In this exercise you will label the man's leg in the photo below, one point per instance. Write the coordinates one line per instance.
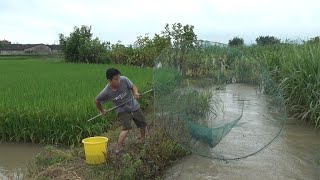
(143, 134)
(126, 125)
(121, 139)
(140, 121)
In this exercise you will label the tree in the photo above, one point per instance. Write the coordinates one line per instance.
(183, 39)
(147, 49)
(267, 40)
(181, 36)
(236, 41)
(120, 54)
(314, 40)
(4, 43)
(161, 42)
(80, 47)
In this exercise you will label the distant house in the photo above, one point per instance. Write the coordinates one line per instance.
(28, 49)
(207, 44)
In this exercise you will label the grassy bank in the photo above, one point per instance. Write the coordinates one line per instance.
(141, 161)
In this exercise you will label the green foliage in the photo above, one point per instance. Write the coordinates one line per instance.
(201, 61)
(165, 80)
(80, 47)
(130, 167)
(296, 69)
(300, 70)
(195, 103)
(314, 40)
(161, 42)
(147, 49)
(50, 156)
(143, 53)
(268, 55)
(245, 68)
(183, 39)
(4, 43)
(181, 36)
(267, 40)
(121, 54)
(236, 41)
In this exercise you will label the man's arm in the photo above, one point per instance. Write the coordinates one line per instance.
(136, 95)
(99, 106)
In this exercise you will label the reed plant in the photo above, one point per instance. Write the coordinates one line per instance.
(300, 69)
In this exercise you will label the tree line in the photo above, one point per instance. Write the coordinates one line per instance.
(81, 47)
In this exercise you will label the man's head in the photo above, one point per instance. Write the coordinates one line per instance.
(113, 76)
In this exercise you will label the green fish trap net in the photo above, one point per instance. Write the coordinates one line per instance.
(216, 101)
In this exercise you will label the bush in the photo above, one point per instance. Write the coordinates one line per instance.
(80, 47)
(236, 41)
(267, 40)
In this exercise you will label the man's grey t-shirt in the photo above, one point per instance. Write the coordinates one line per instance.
(119, 96)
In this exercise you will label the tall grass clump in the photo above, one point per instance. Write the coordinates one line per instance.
(300, 69)
(51, 101)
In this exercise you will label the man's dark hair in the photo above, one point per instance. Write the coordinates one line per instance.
(112, 72)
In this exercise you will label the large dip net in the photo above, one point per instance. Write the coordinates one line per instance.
(216, 101)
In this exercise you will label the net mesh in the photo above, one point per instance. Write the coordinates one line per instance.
(216, 101)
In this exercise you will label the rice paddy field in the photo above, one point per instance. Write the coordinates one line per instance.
(49, 101)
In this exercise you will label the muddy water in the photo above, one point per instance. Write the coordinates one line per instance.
(14, 158)
(293, 154)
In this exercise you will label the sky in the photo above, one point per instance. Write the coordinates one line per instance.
(40, 21)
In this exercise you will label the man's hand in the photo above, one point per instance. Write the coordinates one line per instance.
(103, 112)
(136, 95)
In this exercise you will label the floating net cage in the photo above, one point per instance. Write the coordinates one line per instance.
(216, 101)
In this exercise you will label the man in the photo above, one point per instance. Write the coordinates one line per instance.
(123, 93)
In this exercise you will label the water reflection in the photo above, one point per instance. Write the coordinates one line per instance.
(14, 158)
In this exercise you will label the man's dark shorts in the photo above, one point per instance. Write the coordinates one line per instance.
(137, 117)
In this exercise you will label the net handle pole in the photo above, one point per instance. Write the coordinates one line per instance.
(120, 105)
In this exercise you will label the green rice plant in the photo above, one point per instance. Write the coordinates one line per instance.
(51, 101)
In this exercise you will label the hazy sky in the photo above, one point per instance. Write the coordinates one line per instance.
(40, 21)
